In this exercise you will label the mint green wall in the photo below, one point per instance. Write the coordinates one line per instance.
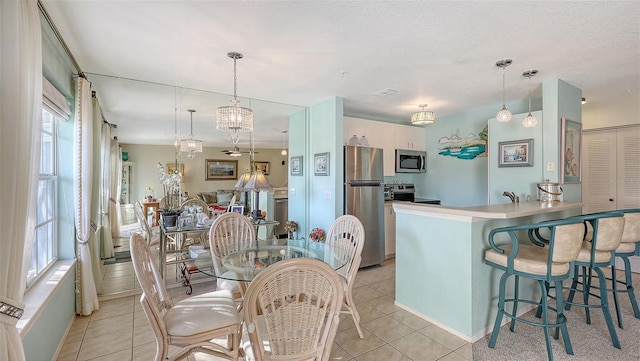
(325, 135)
(521, 180)
(298, 210)
(466, 180)
(42, 340)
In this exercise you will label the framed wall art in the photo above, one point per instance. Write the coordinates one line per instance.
(171, 168)
(296, 165)
(321, 164)
(218, 169)
(261, 166)
(571, 147)
(515, 153)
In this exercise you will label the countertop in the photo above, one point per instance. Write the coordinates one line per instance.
(495, 211)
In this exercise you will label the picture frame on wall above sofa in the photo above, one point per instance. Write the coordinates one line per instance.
(296, 165)
(218, 169)
(261, 166)
(515, 153)
(321, 164)
(171, 168)
(571, 134)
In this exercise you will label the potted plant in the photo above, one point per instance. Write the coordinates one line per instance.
(171, 202)
(290, 228)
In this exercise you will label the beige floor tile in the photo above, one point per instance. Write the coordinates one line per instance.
(108, 325)
(140, 319)
(69, 351)
(384, 304)
(387, 287)
(419, 347)
(366, 312)
(443, 337)
(365, 293)
(106, 344)
(144, 352)
(79, 327)
(338, 353)
(115, 307)
(124, 355)
(466, 351)
(387, 328)
(355, 346)
(143, 335)
(452, 357)
(384, 353)
(119, 272)
(410, 319)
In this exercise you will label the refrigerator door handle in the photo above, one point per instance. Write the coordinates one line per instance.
(370, 183)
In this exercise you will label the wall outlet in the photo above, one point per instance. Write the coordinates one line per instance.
(327, 194)
(551, 166)
(292, 191)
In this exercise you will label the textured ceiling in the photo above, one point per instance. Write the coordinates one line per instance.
(441, 53)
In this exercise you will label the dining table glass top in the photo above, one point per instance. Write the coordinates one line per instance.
(246, 264)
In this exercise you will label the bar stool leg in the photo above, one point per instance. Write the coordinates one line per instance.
(614, 289)
(574, 286)
(605, 307)
(562, 320)
(500, 313)
(516, 290)
(545, 320)
(629, 284)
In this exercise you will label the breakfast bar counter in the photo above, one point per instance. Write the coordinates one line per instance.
(440, 270)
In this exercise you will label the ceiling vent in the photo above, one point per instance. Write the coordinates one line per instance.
(384, 92)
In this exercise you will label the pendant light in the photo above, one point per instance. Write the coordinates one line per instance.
(530, 121)
(423, 116)
(191, 146)
(234, 118)
(284, 147)
(504, 115)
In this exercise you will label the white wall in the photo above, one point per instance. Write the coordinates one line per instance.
(616, 113)
(146, 158)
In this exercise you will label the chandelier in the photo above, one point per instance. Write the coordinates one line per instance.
(530, 121)
(504, 115)
(423, 116)
(234, 118)
(191, 146)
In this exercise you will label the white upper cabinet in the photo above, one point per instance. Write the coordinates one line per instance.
(388, 136)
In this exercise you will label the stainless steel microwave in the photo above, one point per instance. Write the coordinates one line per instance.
(411, 161)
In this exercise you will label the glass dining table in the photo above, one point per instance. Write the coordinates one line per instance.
(243, 266)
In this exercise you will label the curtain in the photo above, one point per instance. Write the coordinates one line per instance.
(82, 173)
(20, 124)
(105, 191)
(95, 239)
(116, 181)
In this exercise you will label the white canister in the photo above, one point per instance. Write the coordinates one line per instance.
(549, 192)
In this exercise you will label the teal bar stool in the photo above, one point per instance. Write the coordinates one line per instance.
(629, 246)
(546, 262)
(595, 254)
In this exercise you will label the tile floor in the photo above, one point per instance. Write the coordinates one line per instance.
(120, 331)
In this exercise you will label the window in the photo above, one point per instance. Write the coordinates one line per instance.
(45, 241)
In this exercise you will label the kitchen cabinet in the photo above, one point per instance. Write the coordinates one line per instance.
(388, 136)
(389, 230)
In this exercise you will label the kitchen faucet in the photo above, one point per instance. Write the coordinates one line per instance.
(514, 198)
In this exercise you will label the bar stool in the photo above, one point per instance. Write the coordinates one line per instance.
(629, 246)
(594, 255)
(538, 261)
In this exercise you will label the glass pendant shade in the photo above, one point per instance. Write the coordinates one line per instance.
(423, 116)
(191, 146)
(234, 118)
(284, 146)
(283, 152)
(504, 115)
(530, 121)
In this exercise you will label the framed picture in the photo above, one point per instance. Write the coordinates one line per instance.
(171, 168)
(185, 221)
(296, 165)
(515, 153)
(321, 164)
(570, 153)
(261, 166)
(218, 169)
(237, 209)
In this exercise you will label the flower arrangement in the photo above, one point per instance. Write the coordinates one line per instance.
(317, 234)
(171, 184)
(291, 226)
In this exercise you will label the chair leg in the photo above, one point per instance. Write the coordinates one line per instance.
(545, 321)
(516, 290)
(351, 307)
(574, 285)
(586, 288)
(614, 289)
(562, 320)
(629, 284)
(605, 307)
(500, 313)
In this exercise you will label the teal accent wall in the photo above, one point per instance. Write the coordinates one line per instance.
(466, 180)
(42, 340)
(298, 184)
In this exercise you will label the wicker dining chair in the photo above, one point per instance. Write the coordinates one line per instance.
(191, 324)
(200, 237)
(291, 311)
(230, 233)
(151, 234)
(346, 237)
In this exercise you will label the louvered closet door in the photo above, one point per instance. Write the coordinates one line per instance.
(599, 171)
(628, 195)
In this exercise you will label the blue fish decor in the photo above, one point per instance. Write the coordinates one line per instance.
(468, 147)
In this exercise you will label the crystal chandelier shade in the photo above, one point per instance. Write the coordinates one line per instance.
(423, 116)
(234, 118)
(191, 146)
(530, 121)
(504, 115)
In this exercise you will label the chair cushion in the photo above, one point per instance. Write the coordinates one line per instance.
(585, 254)
(530, 259)
(202, 313)
(209, 197)
(626, 247)
(224, 197)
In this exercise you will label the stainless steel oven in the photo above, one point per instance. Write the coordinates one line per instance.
(411, 161)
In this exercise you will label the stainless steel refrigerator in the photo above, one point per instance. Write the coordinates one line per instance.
(364, 198)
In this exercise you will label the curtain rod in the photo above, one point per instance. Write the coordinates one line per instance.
(60, 39)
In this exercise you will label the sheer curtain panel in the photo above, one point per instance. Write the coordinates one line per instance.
(105, 191)
(94, 239)
(82, 172)
(116, 181)
(20, 123)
